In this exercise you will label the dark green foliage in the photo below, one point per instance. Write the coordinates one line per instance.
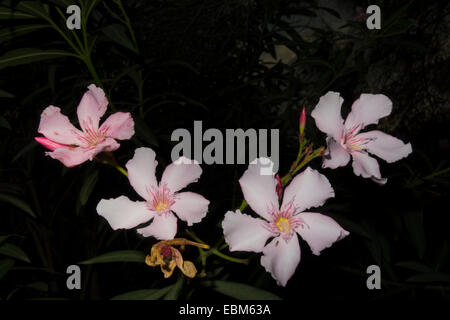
(172, 62)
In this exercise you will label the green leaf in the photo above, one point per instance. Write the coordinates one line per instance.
(144, 133)
(242, 291)
(430, 277)
(14, 251)
(38, 285)
(4, 123)
(414, 225)
(27, 55)
(353, 228)
(3, 238)
(331, 11)
(5, 266)
(117, 33)
(183, 64)
(175, 291)
(62, 3)
(9, 14)
(118, 256)
(88, 187)
(10, 33)
(145, 294)
(18, 203)
(25, 150)
(4, 94)
(415, 266)
(35, 8)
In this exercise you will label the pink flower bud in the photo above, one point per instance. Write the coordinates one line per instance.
(49, 144)
(279, 187)
(302, 122)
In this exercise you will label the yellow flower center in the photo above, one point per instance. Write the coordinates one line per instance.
(283, 225)
(160, 199)
(161, 206)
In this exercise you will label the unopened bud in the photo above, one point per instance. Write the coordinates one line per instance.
(279, 187)
(302, 122)
(49, 144)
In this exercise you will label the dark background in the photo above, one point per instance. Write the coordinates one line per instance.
(175, 61)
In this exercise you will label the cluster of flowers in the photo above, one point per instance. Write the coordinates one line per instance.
(164, 201)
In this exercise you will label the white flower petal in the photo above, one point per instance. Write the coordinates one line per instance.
(141, 171)
(319, 231)
(122, 213)
(163, 227)
(335, 156)
(385, 146)
(327, 115)
(308, 189)
(181, 173)
(281, 258)
(368, 109)
(259, 188)
(190, 207)
(367, 167)
(245, 233)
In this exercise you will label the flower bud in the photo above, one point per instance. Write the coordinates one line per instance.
(49, 144)
(279, 187)
(302, 122)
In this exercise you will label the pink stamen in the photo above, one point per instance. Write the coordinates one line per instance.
(161, 199)
(285, 221)
(91, 136)
(351, 141)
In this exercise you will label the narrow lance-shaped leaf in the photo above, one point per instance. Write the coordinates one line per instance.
(242, 291)
(144, 132)
(34, 8)
(27, 55)
(430, 277)
(88, 187)
(175, 291)
(16, 31)
(12, 14)
(5, 94)
(30, 146)
(5, 266)
(117, 33)
(13, 251)
(4, 123)
(18, 203)
(118, 256)
(144, 294)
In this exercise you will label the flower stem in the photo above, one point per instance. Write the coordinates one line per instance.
(225, 257)
(121, 170)
(108, 158)
(193, 236)
(213, 251)
(244, 204)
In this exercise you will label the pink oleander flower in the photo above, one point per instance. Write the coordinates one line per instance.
(162, 199)
(345, 139)
(282, 255)
(73, 146)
